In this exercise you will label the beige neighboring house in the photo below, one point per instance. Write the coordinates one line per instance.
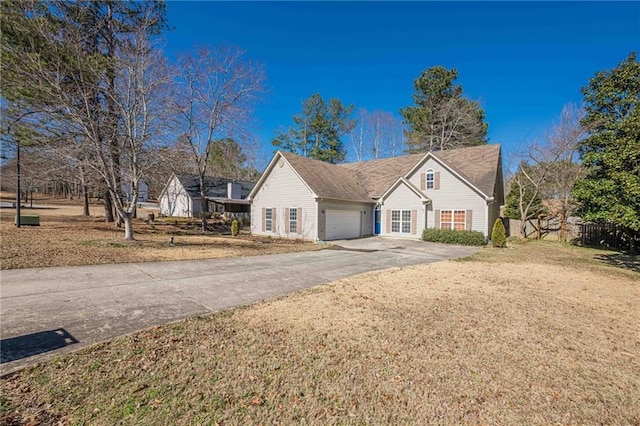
(301, 198)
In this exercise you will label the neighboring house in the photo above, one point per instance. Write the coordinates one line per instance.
(297, 197)
(181, 196)
(143, 192)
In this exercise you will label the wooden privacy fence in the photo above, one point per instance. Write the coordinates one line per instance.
(605, 235)
(545, 228)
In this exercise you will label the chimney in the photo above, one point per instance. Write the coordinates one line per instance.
(234, 190)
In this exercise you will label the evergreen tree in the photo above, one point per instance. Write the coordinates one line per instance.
(499, 234)
(317, 130)
(610, 188)
(441, 117)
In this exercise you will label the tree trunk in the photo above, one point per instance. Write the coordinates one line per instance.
(633, 241)
(85, 201)
(108, 208)
(203, 203)
(128, 227)
(203, 207)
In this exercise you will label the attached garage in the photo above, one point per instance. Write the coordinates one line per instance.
(342, 224)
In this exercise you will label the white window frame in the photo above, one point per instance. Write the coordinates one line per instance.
(401, 221)
(452, 224)
(430, 179)
(268, 219)
(293, 220)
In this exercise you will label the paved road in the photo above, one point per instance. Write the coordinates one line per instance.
(49, 311)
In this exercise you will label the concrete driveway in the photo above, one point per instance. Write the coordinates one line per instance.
(49, 311)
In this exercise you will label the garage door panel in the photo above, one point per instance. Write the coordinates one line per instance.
(342, 224)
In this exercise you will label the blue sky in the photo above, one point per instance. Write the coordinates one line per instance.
(522, 60)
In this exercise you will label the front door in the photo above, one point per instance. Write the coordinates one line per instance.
(377, 222)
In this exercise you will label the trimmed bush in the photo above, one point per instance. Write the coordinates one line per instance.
(499, 234)
(448, 236)
(235, 229)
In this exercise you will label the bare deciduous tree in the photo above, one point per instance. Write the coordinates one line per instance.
(91, 80)
(377, 134)
(563, 139)
(548, 170)
(216, 91)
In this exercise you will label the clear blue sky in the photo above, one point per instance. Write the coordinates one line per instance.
(522, 60)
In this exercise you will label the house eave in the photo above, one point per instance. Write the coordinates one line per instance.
(408, 184)
(320, 199)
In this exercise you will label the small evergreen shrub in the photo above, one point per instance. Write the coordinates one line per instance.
(449, 236)
(499, 234)
(235, 228)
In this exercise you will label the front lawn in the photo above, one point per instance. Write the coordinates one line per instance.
(540, 333)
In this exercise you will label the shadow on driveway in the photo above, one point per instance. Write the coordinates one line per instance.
(15, 348)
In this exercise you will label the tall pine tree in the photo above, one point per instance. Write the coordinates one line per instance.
(317, 130)
(441, 117)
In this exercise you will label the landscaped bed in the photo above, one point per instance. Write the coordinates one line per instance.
(538, 333)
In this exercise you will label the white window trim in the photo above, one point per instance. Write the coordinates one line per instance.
(400, 222)
(293, 222)
(453, 219)
(268, 221)
(430, 183)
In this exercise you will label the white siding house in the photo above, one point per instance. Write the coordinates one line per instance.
(457, 189)
(452, 194)
(181, 196)
(284, 196)
(175, 200)
(403, 210)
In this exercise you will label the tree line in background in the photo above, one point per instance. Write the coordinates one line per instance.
(86, 89)
(441, 118)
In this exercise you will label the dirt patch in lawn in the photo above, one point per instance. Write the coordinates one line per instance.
(540, 333)
(65, 238)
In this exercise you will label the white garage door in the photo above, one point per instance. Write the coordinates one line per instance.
(342, 224)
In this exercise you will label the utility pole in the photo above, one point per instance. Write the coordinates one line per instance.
(18, 184)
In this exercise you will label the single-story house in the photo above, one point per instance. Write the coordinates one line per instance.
(301, 198)
(181, 196)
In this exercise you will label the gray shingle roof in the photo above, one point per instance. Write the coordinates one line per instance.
(367, 180)
(216, 187)
(328, 180)
(379, 175)
(477, 164)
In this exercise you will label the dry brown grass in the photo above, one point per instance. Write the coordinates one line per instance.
(66, 238)
(541, 333)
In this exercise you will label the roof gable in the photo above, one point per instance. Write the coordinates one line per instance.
(478, 165)
(409, 185)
